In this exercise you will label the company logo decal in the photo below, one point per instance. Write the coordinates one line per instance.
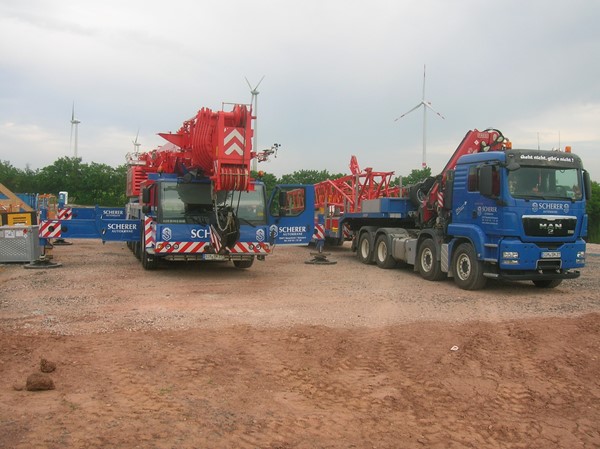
(553, 207)
(166, 234)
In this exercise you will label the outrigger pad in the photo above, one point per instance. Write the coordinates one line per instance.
(320, 259)
(42, 262)
(61, 242)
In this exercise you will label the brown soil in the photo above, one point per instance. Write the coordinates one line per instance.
(291, 355)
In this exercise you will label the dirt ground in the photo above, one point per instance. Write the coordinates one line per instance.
(291, 355)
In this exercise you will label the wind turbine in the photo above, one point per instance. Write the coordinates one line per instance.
(425, 104)
(254, 103)
(74, 124)
(136, 145)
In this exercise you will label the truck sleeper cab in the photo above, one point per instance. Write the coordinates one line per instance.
(521, 214)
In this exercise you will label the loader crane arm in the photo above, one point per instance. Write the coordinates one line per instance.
(429, 194)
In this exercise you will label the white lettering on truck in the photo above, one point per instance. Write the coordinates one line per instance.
(199, 233)
(122, 226)
(294, 229)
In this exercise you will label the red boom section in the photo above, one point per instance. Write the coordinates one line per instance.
(348, 192)
(217, 145)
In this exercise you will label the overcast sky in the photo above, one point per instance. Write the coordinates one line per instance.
(336, 75)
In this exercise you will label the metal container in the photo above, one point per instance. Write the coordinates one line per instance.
(19, 243)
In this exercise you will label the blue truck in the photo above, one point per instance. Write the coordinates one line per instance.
(493, 213)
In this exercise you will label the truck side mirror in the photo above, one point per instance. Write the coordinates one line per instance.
(448, 189)
(282, 198)
(486, 187)
(587, 184)
(146, 195)
(282, 202)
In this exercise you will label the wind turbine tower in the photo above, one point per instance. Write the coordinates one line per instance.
(74, 125)
(136, 144)
(254, 103)
(425, 104)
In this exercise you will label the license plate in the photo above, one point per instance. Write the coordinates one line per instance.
(213, 257)
(550, 254)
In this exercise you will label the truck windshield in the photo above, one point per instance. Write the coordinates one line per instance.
(545, 182)
(249, 206)
(192, 203)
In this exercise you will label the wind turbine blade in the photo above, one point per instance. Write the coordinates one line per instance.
(406, 113)
(73, 112)
(261, 80)
(424, 82)
(429, 106)
(248, 82)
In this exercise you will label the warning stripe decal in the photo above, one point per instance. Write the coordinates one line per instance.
(50, 229)
(319, 232)
(347, 232)
(180, 247)
(149, 230)
(250, 248)
(66, 213)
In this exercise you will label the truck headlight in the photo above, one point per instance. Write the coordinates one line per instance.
(510, 255)
(581, 254)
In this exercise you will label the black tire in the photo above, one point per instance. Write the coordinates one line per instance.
(416, 194)
(364, 250)
(427, 261)
(149, 261)
(243, 263)
(467, 270)
(383, 253)
(552, 283)
(137, 250)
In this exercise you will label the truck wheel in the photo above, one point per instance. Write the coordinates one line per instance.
(468, 271)
(137, 250)
(243, 263)
(149, 261)
(548, 283)
(383, 253)
(427, 264)
(365, 248)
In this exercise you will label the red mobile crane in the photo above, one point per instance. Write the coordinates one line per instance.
(194, 199)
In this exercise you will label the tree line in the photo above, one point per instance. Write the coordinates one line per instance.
(101, 184)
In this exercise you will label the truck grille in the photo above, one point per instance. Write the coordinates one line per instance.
(549, 226)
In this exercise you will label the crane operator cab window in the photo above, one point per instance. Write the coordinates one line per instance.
(545, 182)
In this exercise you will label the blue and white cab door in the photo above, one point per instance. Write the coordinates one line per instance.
(291, 214)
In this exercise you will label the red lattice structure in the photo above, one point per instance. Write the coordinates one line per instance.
(348, 192)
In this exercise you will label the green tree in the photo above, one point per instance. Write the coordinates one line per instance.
(269, 179)
(308, 177)
(414, 177)
(87, 185)
(593, 211)
(10, 176)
